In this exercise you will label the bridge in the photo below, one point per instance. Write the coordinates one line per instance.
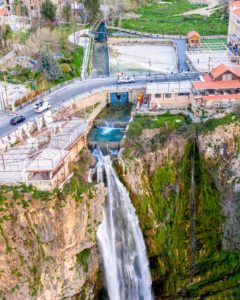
(84, 93)
(49, 142)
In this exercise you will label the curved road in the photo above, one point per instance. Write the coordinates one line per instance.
(58, 97)
(65, 94)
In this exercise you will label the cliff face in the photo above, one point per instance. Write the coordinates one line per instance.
(48, 247)
(184, 184)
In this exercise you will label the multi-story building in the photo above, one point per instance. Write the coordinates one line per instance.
(234, 26)
(7, 5)
(218, 90)
(34, 6)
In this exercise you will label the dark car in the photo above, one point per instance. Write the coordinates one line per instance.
(16, 120)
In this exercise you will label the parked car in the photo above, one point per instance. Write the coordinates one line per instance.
(17, 119)
(41, 106)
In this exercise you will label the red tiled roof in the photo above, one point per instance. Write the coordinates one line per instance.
(237, 12)
(235, 6)
(207, 77)
(3, 12)
(235, 3)
(221, 69)
(222, 97)
(192, 34)
(217, 85)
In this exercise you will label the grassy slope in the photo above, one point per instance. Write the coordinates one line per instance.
(166, 19)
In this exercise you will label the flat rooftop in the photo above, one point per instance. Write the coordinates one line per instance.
(200, 59)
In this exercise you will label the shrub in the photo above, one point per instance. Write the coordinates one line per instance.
(65, 68)
(48, 10)
(82, 258)
(49, 67)
(26, 98)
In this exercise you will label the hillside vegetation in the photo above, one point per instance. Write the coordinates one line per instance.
(167, 18)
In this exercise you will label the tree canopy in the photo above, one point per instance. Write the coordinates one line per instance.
(48, 10)
(49, 66)
(66, 12)
(20, 9)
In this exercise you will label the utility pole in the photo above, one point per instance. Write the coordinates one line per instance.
(5, 88)
(60, 8)
(73, 20)
(30, 12)
(149, 64)
(209, 64)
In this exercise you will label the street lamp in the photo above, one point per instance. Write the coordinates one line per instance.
(6, 94)
(149, 64)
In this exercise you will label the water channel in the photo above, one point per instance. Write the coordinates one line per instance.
(120, 241)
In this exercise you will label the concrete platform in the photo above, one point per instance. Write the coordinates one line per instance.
(136, 57)
(200, 60)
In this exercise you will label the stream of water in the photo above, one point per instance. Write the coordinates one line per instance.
(120, 240)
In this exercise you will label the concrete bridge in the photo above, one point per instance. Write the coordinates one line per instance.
(80, 94)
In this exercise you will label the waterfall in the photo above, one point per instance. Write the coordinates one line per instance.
(193, 216)
(120, 241)
(106, 129)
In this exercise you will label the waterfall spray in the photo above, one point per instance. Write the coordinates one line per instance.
(120, 241)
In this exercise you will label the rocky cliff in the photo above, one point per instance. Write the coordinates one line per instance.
(48, 242)
(184, 182)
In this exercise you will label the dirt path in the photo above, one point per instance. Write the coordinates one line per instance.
(213, 5)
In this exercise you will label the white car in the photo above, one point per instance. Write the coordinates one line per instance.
(126, 79)
(41, 106)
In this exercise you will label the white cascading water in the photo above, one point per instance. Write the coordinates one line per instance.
(120, 240)
(107, 128)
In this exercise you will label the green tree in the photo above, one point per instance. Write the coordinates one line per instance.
(93, 9)
(20, 9)
(48, 10)
(5, 33)
(49, 67)
(66, 12)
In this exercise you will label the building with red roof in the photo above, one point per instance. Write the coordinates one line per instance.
(220, 89)
(193, 39)
(3, 12)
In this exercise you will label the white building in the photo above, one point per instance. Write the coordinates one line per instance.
(169, 95)
(234, 25)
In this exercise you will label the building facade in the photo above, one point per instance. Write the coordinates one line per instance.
(169, 95)
(193, 39)
(234, 26)
(218, 90)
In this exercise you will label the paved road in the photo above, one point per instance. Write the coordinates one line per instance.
(65, 94)
(57, 98)
(181, 52)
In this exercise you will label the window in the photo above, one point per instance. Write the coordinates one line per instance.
(227, 77)
(168, 95)
(183, 94)
(158, 95)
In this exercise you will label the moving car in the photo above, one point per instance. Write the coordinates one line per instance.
(126, 79)
(17, 119)
(42, 106)
(123, 78)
